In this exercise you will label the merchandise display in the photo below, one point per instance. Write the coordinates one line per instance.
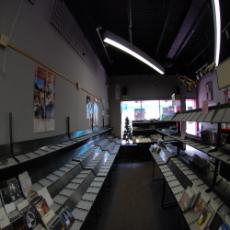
(188, 199)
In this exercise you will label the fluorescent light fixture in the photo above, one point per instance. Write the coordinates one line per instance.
(130, 49)
(217, 27)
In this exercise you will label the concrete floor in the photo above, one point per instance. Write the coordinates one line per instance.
(134, 202)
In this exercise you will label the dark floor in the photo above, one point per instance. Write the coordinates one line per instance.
(134, 202)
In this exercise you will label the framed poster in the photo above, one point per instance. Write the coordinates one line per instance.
(44, 100)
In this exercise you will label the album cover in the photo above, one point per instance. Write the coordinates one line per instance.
(200, 204)
(41, 205)
(56, 224)
(216, 223)
(26, 183)
(20, 223)
(32, 218)
(66, 217)
(4, 220)
(188, 199)
(10, 191)
(28, 220)
(46, 195)
(205, 218)
(224, 226)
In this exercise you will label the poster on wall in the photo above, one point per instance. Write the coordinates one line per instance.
(89, 110)
(95, 114)
(92, 112)
(44, 100)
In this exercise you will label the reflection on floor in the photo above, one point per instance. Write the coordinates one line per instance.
(134, 202)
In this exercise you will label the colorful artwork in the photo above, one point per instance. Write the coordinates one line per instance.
(44, 100)
(92, 112)
(95, 114)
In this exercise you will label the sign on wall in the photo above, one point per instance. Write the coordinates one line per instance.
(44, 100)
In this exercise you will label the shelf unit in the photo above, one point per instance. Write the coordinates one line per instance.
(16, 163)
(147, 128)
(216, 114)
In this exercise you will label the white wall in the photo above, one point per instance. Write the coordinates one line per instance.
(142, 87)
(35, 35)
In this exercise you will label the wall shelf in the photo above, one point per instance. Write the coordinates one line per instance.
(17, 163)
(215, 114)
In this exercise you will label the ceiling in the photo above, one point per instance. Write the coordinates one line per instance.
(178, 34)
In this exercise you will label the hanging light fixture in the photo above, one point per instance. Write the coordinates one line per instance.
(217, 28)
(125, 46)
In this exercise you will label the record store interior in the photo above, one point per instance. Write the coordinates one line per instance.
(114, 115)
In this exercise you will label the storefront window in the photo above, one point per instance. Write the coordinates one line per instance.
(147, 110)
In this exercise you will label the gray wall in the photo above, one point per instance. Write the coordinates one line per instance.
(34, 34)
(142, 87)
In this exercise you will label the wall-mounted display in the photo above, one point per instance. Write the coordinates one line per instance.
(44, 100)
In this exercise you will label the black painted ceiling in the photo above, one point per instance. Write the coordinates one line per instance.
(178, 34)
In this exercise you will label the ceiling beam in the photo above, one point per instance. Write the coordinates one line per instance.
(209, 43)
(130, 21)
(185, 31)
(192, 31)
(166, 23)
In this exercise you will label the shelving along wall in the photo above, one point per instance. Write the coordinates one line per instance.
(31, 31)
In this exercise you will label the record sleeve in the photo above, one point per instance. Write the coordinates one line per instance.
(4, 220)
(41, 205)
(56, 224)
(66, 217)
(26, 183)
(10, 191)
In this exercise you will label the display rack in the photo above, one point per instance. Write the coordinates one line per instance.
(74, 184)
(215, 114)
(179, 176)
(16, 163)
(147, 128)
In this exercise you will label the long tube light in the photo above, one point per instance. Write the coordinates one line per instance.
(130, 49)
(217, 27)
